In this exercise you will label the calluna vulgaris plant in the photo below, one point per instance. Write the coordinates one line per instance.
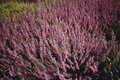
(62, 42)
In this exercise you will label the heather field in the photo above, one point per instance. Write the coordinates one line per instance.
(60, 40)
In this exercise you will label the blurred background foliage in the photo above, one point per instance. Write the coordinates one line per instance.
(10, 8)
(15, 8)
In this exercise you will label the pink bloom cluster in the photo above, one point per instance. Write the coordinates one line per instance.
(62, 42)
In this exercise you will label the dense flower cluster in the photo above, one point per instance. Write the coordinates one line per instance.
(62, 42)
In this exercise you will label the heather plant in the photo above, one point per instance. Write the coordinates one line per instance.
(56, 51)
(64, 41)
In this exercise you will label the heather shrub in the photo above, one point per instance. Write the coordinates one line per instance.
(64, 41)
(57, 51)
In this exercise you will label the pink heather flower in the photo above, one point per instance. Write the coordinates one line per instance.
(58, 41)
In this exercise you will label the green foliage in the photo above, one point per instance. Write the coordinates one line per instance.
(110, 68)
(14, 8)
(115, 29)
